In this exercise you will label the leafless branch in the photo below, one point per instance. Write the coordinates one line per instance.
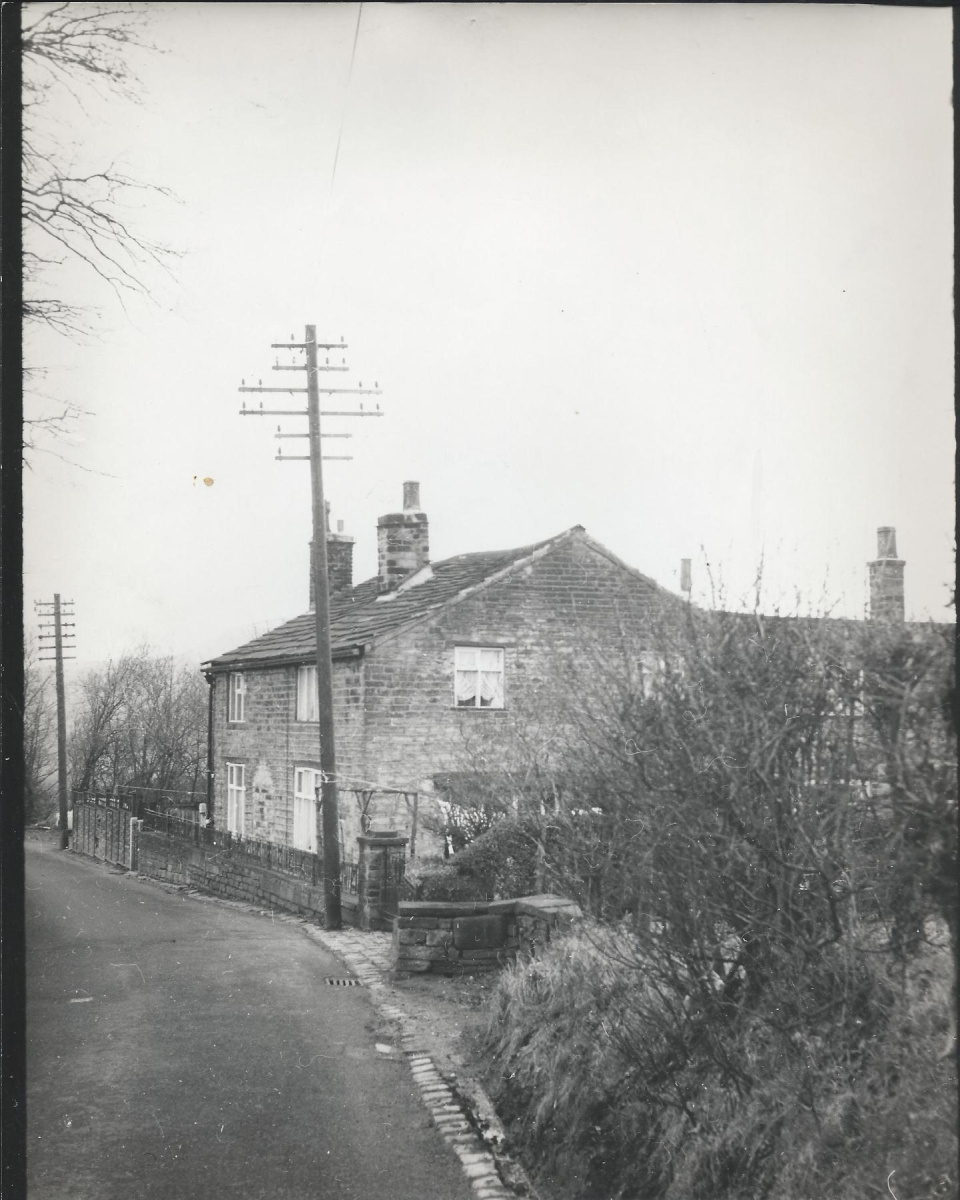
(73, 216)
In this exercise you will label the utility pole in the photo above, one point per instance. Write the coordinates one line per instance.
(329, 808)
(61, 641)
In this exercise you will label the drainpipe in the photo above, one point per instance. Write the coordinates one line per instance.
(211, 685)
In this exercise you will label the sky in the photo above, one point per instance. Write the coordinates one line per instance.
(680, 274)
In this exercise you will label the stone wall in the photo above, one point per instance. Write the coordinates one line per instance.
(221, 868)
(226, 873)
(464, 938)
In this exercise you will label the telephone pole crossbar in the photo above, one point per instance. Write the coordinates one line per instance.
(292, 345)
(328, 814)
(302, 367)
(302, 412)
(286, 391)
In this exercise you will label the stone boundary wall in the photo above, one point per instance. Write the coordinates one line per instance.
(463, 938)
(233, 876)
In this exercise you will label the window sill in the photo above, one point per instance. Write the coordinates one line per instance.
(463, 708)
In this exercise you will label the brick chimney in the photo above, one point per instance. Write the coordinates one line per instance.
(403, 541)
(886, 578)
(339, 562)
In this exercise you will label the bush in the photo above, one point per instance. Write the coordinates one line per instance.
(447, 883)
(499, 863)
(684, 1106)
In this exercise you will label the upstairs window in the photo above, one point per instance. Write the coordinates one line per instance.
(236, 695)
(307, 708)
(478, 677)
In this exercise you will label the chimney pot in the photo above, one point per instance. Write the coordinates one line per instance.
(886, 542)
(685, 575)
(411, 497)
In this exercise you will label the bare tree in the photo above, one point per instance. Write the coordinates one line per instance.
(140, 722)
(72, 213)
(101, 697)
(39, 741)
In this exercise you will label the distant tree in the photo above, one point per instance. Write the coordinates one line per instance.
(73, 213)
(39, 741)
(140, 722)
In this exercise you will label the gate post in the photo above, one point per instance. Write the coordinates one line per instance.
(134, 841)
(381, 858)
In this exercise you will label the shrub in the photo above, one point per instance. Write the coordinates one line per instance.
(610, 1080)
(499, 863)
(447, 883)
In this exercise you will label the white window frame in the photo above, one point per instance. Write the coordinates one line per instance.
(307, 700)
(460, 656)
(305, 783)
(236, 697)
(236, 797)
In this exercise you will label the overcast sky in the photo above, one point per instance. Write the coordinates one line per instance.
(679, 274)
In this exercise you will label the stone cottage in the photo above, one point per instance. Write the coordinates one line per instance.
(426, 657)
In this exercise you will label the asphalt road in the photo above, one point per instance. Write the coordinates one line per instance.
(180, 1048)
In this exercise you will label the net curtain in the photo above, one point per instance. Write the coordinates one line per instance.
(479, 672)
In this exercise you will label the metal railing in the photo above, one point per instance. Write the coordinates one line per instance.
(134, 799)
(183, 828)
(103, 800)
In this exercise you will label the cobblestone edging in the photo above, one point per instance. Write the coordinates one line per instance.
(475, 1142)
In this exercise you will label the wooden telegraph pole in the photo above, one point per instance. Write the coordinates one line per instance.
(329, 815)
(61, 641)
(329, 800)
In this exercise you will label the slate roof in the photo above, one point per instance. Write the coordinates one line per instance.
(358, 617)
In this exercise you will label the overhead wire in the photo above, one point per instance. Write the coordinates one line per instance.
(343, 110)
(343, 117)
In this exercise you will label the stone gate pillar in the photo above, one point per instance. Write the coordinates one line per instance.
(381, 858)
